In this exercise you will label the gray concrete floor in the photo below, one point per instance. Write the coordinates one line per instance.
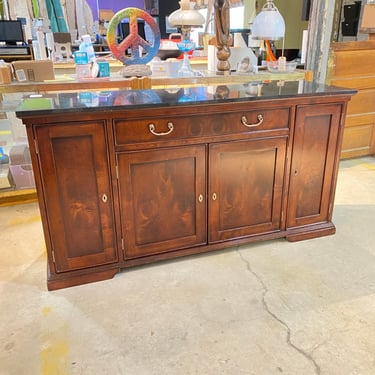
(268, 308)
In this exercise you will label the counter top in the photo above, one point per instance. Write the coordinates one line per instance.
(91, 101)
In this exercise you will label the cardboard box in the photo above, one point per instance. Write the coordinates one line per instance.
(5, 73)
(5, 178)
(20, 154)
(33, 70)
(368, 19)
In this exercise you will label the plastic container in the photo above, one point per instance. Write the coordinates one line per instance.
(287, 67)
(23, 176)
(83, 71)
(165, 68)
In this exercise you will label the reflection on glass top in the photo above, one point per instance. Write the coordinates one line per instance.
(126, 99)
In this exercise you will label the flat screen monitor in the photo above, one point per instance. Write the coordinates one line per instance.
(124, 29)
(11, 32)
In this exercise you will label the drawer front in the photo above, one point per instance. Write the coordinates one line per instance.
(210, 125)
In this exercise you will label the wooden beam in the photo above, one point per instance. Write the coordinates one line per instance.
(320, 29)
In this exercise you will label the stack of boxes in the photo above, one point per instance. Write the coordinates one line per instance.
(86, 64)
(83, 68)
(349, 26)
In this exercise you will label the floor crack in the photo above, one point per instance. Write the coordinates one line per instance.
(275, 317)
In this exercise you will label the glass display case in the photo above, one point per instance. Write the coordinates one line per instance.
(17, 181)
(16, 174)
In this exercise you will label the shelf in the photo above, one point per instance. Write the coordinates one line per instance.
(11, 197)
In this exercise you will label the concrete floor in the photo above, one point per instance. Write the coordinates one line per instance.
(268, 308)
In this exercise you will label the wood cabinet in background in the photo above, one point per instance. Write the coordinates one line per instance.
(119, 188)
(352, 65)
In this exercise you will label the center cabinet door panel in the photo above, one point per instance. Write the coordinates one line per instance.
(245, 188)
(77, 193)
(163, 200)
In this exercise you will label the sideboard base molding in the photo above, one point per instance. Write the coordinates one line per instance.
(310, 232)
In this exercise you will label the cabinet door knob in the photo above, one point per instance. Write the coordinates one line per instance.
(104, 198)
(200, 198)
(151, 127)
(214, 196)
(244, 121)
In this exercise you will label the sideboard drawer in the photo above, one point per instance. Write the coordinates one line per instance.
(190, 126)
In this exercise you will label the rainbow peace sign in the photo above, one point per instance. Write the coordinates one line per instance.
(133, 40)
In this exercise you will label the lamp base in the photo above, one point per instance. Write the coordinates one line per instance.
(185, 46)
(185, 70)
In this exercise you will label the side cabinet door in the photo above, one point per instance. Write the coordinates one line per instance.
(76, 182)
(246, 182)
(314, 164)
(163, 202)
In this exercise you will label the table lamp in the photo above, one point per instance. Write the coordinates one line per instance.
(269, 23)
(185, 18)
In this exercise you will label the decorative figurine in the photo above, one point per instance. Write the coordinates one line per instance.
(223, 37)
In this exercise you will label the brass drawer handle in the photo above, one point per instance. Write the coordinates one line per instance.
(152, 129)
(244, 121)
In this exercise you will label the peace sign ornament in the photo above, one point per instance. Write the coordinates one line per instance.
(133, 41)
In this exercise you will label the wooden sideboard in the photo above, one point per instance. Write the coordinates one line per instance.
(352, 65)
(137, 177)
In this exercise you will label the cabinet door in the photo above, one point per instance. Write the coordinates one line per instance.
(77, 193)
(245, 187)
(163, 202)
(314, 164)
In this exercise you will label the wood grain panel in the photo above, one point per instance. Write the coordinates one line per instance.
(358, 141)
(362, 102)
(160, 199)
(358, 82)
(348, 63)
(75, 178)
(247, 180)
(137, 131)
(312, 164)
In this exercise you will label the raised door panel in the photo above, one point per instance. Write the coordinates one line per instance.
(77, 193)
(246, 188)
(163, 200)
(313, 172)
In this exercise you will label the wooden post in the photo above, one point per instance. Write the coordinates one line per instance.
(320, 29)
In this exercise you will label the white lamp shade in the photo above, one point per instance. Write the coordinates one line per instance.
(268, 25)
(189, 17)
